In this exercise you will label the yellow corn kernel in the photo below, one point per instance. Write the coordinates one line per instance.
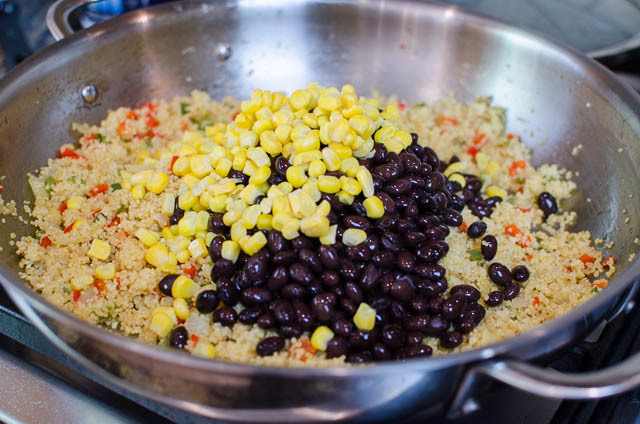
(230, 250)
(493, 190)
(181, 308)
(328, 184)
(264, 222)
(374, 207)
(352, 111)
(141, 177)
(365, 317)
(269, 142)
(181, 166)
(279, 220)
(330, 237)
(348, 164)
(147, 237)
(187, 226)
(345, 197)
(341, 150)
(161, 324)
(454, 167)
(249, 168)
(249, 217)
(259, 157)
(317, 168)
(167, 234)
(137, 192)
(190, 180)
(384, 134)
(365, 149)
(183, 256)
(224, 186)
(340, 131)
(99, 249)
(200, 165)
(218, 203)
(239, 160)
(244, 121)
(366, 181)
(307, 143)
(285, 187)
(158, 182)
(403, 137)
(197, 248)
(261, 175)
(391, 112)
(251, 245)
(310, 120)
(321, 337)
(307, 157)
(353, 236)
(331, 159)
(75, 202)
(209, 237)
(302, 205)
(231, 217)
(458, 178)
(276, 101)
(184, 287)
(223, 167)
(492, 168)
(330, 102)
(290, 229)
(168, 202)
(186, 200)
(205, 199)
(81, 282)
(394, 146)
(300, 99)
(296, 176)
(311, 188)
(281, 205)
(360, 124)
(315, 226)
(106, 271)
(350, 185)
(158, 256)
(204, 350)
(283, 132)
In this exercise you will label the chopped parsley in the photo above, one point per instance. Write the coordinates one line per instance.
(421, 104)
(550, 178)
(101, 138)
(475, 255)
(203, 122)
(184, 108)
(72, 179)
(149, 143)
(66, 289)
(595, 290)
(520, 180)
(116, 186)
(120, 209)
(48, 184)
(98, 216)
(511, 200)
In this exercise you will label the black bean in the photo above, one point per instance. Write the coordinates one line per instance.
(255, 296)
(493, 201)
(279, 278)
(282, 164)
(465, 326)
(358, 207)
(417, 350)
(322, 306)
(257, 267)
(414, 238)
(166, 284)
(311, 259)
(547, 203)
(354, 292)
(434, 234)
(222, 268)
(215, 248)
(394, 337)
(419, 304)
(398, 187)
(270, 345)
(380, 155)
(207, 301)
(499, 274)
(285, 257)
(284, 313)
(441, 202)
(430, 156)
(451, 340)
(226, 316)
(329, 257)
(511, 291)
(381, 352)
(402, 289)
(276, 242)
(495, 298)
(391, 241)
(405, 261)
(240, 176)
(398, 311)
(473, 183)
(387, 171)
(216, 225)
(411, 162)
(348, 306)
(313, 289)
(250, 315)
(266, 321)
(474, 312)
(289, 331)
(453, 307)
(437, 325)
(520, 273)
(489, 247)
(414, 338)
(358, 253)
(452, 217)
(348, 270)
(342, 327)
(430, 252)
(431, 272)
(434, 182)
(362, 340)
(477, 229)
(416, 181)
(336, 347)
(469, 292)
(404, 225)
(480, 209)
(303, 314)
(419, 322)
(300, 273)
(179, 338)
(436, 304)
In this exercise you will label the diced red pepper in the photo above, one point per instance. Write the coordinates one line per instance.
(401, 106)
(510, 136)
(524, 210)
(45, 241)
(194, 339)
(473, 151)
(529, 257)
(70, 227)
(191, 271)
(569, 268)
(69, 153)
(0, 189)
(122, 127)
(76, 295)
(94, 213)
(587, 259)
(180, 321)
(601, 285)
(173, 160)
(536, 301)
(132, 114)
(63, 207)
(514, 231)
(115, 221)
(452, 121)
(149, 106)
(463, 227)
(516, 166)
(478, 138)
(184, 126)
(235, 114)
(91, 137)
(521, 189)
(100, 188)
(118, 281)
(306, 345)
(100, 285)
(152, 122)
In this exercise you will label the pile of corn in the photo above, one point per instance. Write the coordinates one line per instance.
(317, 129)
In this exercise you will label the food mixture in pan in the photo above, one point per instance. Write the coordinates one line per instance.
(307, 230)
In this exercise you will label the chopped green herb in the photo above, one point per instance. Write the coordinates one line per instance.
(116, 186)
(109, 318)
(66, 289)
(83, 181)
(511, 200)
(550, 178)
(48, 184)
(520, 180)
(149, 143)
(595, 290)
(72, 179)
(119, 170)
(475, 255)
(421, 104)
(98, 217)
(184, 108)
(101, 138)
(120, 209)
(203, 122)
(39, 233)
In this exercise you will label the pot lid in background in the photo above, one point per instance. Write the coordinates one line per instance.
(600, 28)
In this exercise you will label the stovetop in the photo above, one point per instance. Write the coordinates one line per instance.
(41, 384)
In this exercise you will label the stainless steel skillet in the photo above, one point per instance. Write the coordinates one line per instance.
(417, 50)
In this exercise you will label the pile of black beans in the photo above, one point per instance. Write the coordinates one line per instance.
(295, 286)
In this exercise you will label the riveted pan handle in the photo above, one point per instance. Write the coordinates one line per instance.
(548, 383)
(58, 17)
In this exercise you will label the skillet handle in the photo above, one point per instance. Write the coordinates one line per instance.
(548, 383)
(58, 17)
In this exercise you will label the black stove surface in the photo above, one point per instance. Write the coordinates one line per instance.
(22, 32)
